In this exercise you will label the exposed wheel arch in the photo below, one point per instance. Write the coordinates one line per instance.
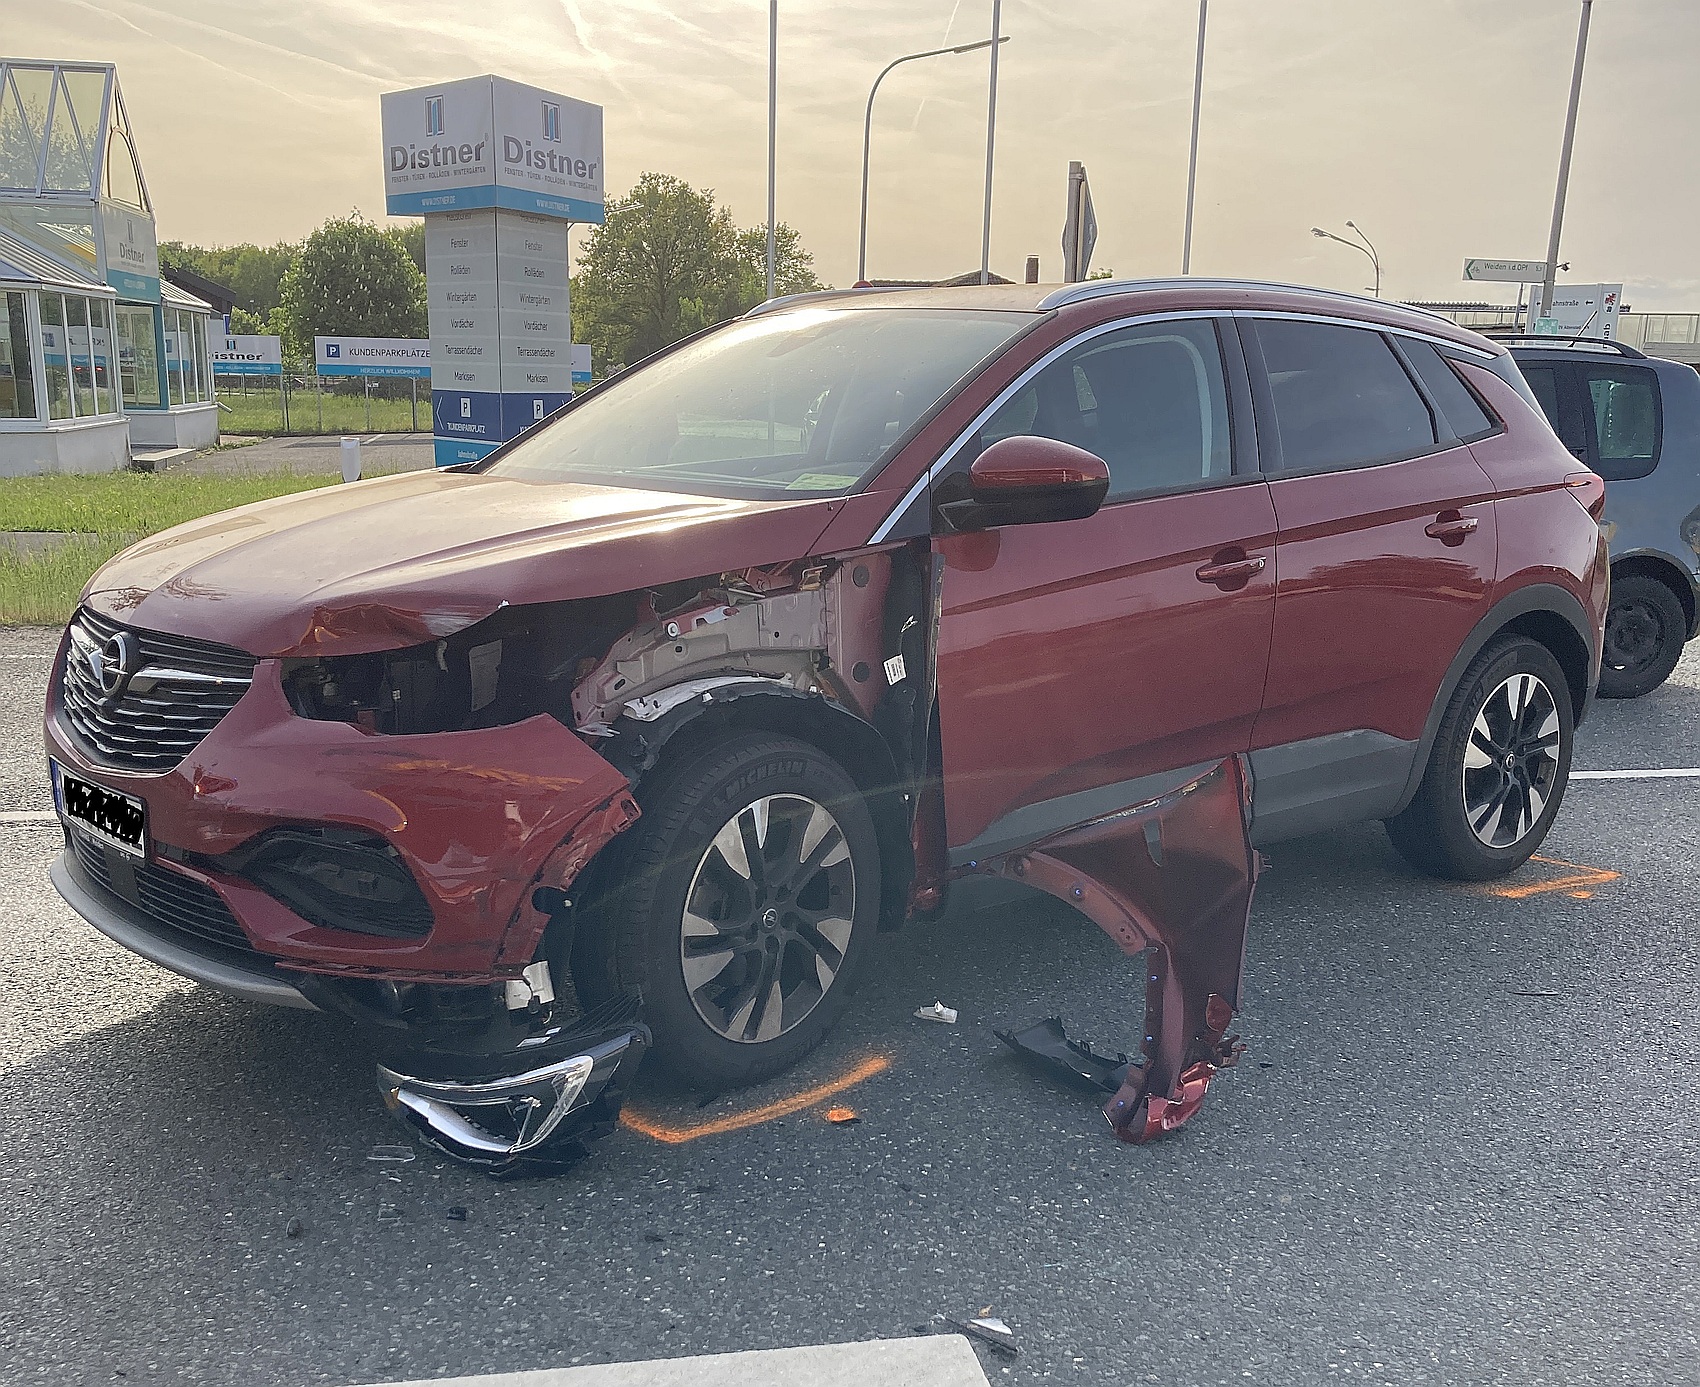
(1666, 571)
(829, 726)
(1546, 613)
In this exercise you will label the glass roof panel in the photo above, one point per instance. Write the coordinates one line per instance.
(88, 97)
(20, 142)
(123, 178)
(69, 168)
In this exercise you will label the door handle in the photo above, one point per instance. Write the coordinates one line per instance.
(1452, 528)
(1229, 572)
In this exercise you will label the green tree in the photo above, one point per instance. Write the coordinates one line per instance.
(793, 267)
(252, 273)
(351, 278)
(411, 234)
(667, 262)
(246, 322)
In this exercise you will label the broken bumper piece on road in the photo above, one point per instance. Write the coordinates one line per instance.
(1171, 879)
(558, 1094)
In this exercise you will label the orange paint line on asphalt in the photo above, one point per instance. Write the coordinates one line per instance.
(658, 1130)
(1579, 882)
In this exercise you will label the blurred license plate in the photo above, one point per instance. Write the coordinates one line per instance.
(120, 820)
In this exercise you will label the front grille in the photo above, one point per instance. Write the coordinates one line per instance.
(177, 692)
(178, 907)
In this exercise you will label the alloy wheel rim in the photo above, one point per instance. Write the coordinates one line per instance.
(768, 918)
(1633, 636)
(1511, 761)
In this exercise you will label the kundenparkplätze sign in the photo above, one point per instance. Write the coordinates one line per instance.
(372, 356)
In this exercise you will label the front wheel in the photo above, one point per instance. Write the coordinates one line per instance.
(742, 906)
(1645, 629)
(1498, 768)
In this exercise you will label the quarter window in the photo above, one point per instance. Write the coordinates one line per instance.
(1626, 420)
(1463, 411)
(1341, 397)
(1150, 399)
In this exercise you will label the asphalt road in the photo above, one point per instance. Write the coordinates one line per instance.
(1463, 1148)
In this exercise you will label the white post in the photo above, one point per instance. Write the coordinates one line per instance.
(350, 459)
(991, 133)
(1192, 158)
(1564, 162)
(772, 128)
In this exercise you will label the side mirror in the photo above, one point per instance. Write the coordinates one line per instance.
(1027, 480)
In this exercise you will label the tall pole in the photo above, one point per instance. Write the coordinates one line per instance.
(772, 127)
(1192, 158)
(991, 133)
(868, 133)
(1374, 257)
(1564, 162)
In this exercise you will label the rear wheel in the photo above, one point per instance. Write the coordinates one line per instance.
(1645, 629)
(1497, 772)
(742, 906)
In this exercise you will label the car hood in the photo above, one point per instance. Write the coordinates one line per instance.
(398, 560)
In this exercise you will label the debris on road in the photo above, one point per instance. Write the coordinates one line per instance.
(939, 1012)
(1049, 1043)
(456, 1213)
(1171, 879)
(988, 1329)
(396, 1155)
(843, 1117)
(292, 1229)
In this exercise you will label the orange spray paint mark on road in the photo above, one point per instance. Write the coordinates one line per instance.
(1577, 881)
(658, 1130)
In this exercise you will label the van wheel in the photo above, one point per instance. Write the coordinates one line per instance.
(1645, 629)
(742, 904)
(1497, 773)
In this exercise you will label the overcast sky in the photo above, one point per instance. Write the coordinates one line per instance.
(1434, 124)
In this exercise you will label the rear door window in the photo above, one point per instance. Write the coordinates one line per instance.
(1342, 398)
(1624, 404)
(1555, 389)
(1464, 412)
(1149, 399)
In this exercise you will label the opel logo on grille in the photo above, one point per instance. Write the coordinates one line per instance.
(112, 663)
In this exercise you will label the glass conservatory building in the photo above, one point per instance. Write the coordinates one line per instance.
(98, 359)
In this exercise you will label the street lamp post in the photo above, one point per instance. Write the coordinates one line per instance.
(1192, 157)
(1564, 161)
(991, 132)
(1366, 249)
(772, 131)
(868, 131)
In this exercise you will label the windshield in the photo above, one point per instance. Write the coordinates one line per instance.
(790, 404)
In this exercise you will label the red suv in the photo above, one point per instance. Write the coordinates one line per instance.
(757, 645)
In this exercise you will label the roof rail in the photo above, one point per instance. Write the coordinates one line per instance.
(1096, 288)
(1586, 344)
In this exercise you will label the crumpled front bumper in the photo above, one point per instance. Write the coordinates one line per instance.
(481, 818)
(567, 1092)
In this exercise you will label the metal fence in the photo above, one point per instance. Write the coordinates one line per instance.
(303, 403)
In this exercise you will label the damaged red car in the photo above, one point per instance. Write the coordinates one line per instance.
(749, 651)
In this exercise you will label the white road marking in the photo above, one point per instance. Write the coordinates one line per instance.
(943, 1360)
(1684, 774)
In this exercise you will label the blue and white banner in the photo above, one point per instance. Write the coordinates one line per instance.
(581, 363)
(372, 356)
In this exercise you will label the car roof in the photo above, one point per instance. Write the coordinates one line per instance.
(1162, 294)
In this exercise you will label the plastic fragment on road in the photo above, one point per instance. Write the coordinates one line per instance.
(939, 1012)
(988, 1329)
(393, 1155)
